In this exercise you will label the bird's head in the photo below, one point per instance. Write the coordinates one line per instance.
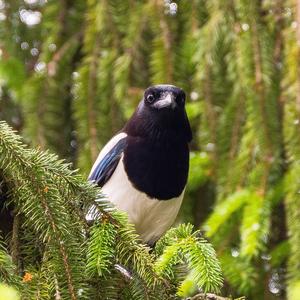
(162, 112)
(164, 98)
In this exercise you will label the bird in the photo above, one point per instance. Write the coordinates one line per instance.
(143, 169)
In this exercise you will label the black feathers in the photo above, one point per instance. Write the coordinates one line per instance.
(158, 169)
(156, 158)
(155, 151)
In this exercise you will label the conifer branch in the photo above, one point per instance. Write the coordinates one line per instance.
(43, 187)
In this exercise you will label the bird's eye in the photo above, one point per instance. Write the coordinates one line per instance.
(150, 98)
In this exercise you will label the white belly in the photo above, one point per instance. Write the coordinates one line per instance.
(151, 217)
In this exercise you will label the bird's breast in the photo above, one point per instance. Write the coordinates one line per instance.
(151, 217)
(160, 170)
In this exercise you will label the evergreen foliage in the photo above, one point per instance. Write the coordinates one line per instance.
(70, 81)
(73, 260)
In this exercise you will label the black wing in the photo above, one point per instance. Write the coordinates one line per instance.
(108, 164)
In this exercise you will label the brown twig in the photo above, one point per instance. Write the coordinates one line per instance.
(260, 90)
(298, 54)
(209, 296)
(15, 244)
(52, 65)
(62, 248)
(211, 114)
(167, 39)
(91, 97)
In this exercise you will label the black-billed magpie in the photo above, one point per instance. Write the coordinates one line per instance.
(143, 169)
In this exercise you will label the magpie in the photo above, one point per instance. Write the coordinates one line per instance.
(143, 169)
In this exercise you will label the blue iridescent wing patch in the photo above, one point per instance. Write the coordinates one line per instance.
(108, 164)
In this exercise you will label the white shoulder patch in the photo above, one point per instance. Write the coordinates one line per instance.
(111, 143)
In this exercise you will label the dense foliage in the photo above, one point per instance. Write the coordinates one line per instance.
(62, 257)
(71, 73)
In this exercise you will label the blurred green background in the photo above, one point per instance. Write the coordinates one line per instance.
(73, 71)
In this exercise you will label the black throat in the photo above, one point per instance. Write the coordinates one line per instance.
(156, 157)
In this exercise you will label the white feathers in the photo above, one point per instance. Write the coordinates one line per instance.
(151, 217)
